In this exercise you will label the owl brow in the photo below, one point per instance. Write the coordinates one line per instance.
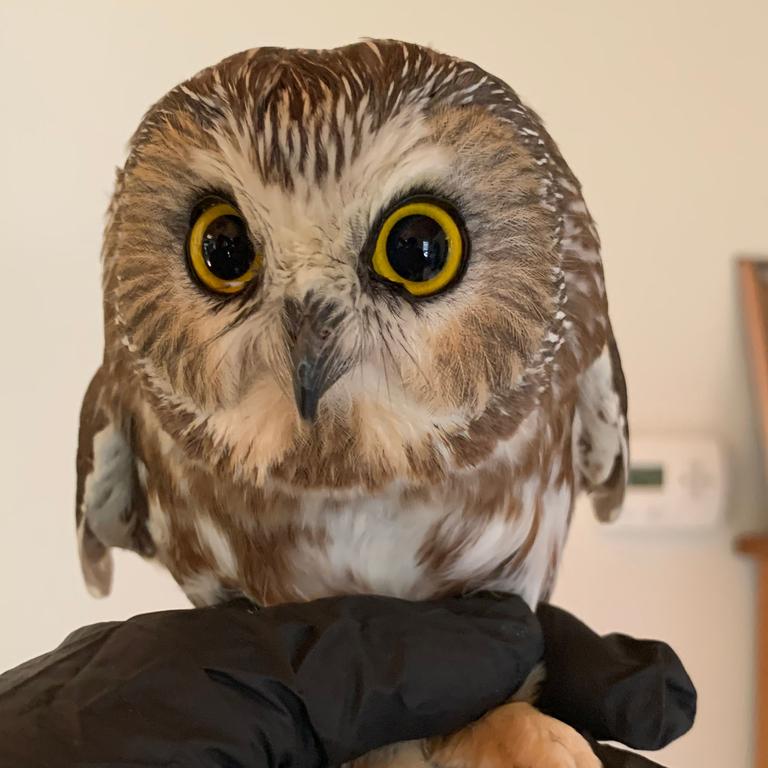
(415, 190)
(207, 196)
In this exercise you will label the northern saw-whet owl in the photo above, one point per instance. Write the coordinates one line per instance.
(356, 337)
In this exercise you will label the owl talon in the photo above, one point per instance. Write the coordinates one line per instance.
(516, 735)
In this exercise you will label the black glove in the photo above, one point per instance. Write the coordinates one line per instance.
(294, 685)
(301, 685)
(614, 688)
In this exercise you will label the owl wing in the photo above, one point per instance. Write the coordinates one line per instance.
(111, 507)
(602, 432)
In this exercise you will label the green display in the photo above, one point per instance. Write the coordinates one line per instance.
(646, 476)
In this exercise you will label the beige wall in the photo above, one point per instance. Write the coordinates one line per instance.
(660, 108)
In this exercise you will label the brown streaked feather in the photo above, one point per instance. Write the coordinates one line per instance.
(603, 440)
(111, 509)
(95, 558)
(608, 498)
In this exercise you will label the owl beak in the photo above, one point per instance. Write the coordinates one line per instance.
(308, 385)
(317, 363)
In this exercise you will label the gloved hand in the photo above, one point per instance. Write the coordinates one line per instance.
(313, 684)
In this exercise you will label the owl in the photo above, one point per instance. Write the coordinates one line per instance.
(356, 337)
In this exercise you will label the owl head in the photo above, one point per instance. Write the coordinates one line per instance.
(348, 263)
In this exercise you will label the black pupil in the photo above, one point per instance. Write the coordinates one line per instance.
(417, 248)
(226, 248)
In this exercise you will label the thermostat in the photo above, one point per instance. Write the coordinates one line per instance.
(673, 483)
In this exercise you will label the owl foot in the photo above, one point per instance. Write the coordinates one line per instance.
(516, 735)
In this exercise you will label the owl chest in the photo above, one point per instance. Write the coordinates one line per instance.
(449, 542)
(467, 534)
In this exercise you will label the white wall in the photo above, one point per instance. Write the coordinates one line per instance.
(659, 107)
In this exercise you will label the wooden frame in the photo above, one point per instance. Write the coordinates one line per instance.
(753, 275)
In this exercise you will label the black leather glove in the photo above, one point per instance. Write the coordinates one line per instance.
(313, 684)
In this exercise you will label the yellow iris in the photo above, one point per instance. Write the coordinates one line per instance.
(442, 253)
(219, 250)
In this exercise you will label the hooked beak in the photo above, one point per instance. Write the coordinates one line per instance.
(316, 358)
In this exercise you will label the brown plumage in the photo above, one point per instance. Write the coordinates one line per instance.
(453, 431)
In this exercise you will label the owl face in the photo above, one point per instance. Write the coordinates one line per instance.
(312, 248)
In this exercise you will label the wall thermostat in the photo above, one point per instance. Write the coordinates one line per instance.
(674, 483)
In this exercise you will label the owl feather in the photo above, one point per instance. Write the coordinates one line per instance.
(356, 337)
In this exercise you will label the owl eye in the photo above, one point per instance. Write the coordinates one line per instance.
(219, 250)
(421, 246)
